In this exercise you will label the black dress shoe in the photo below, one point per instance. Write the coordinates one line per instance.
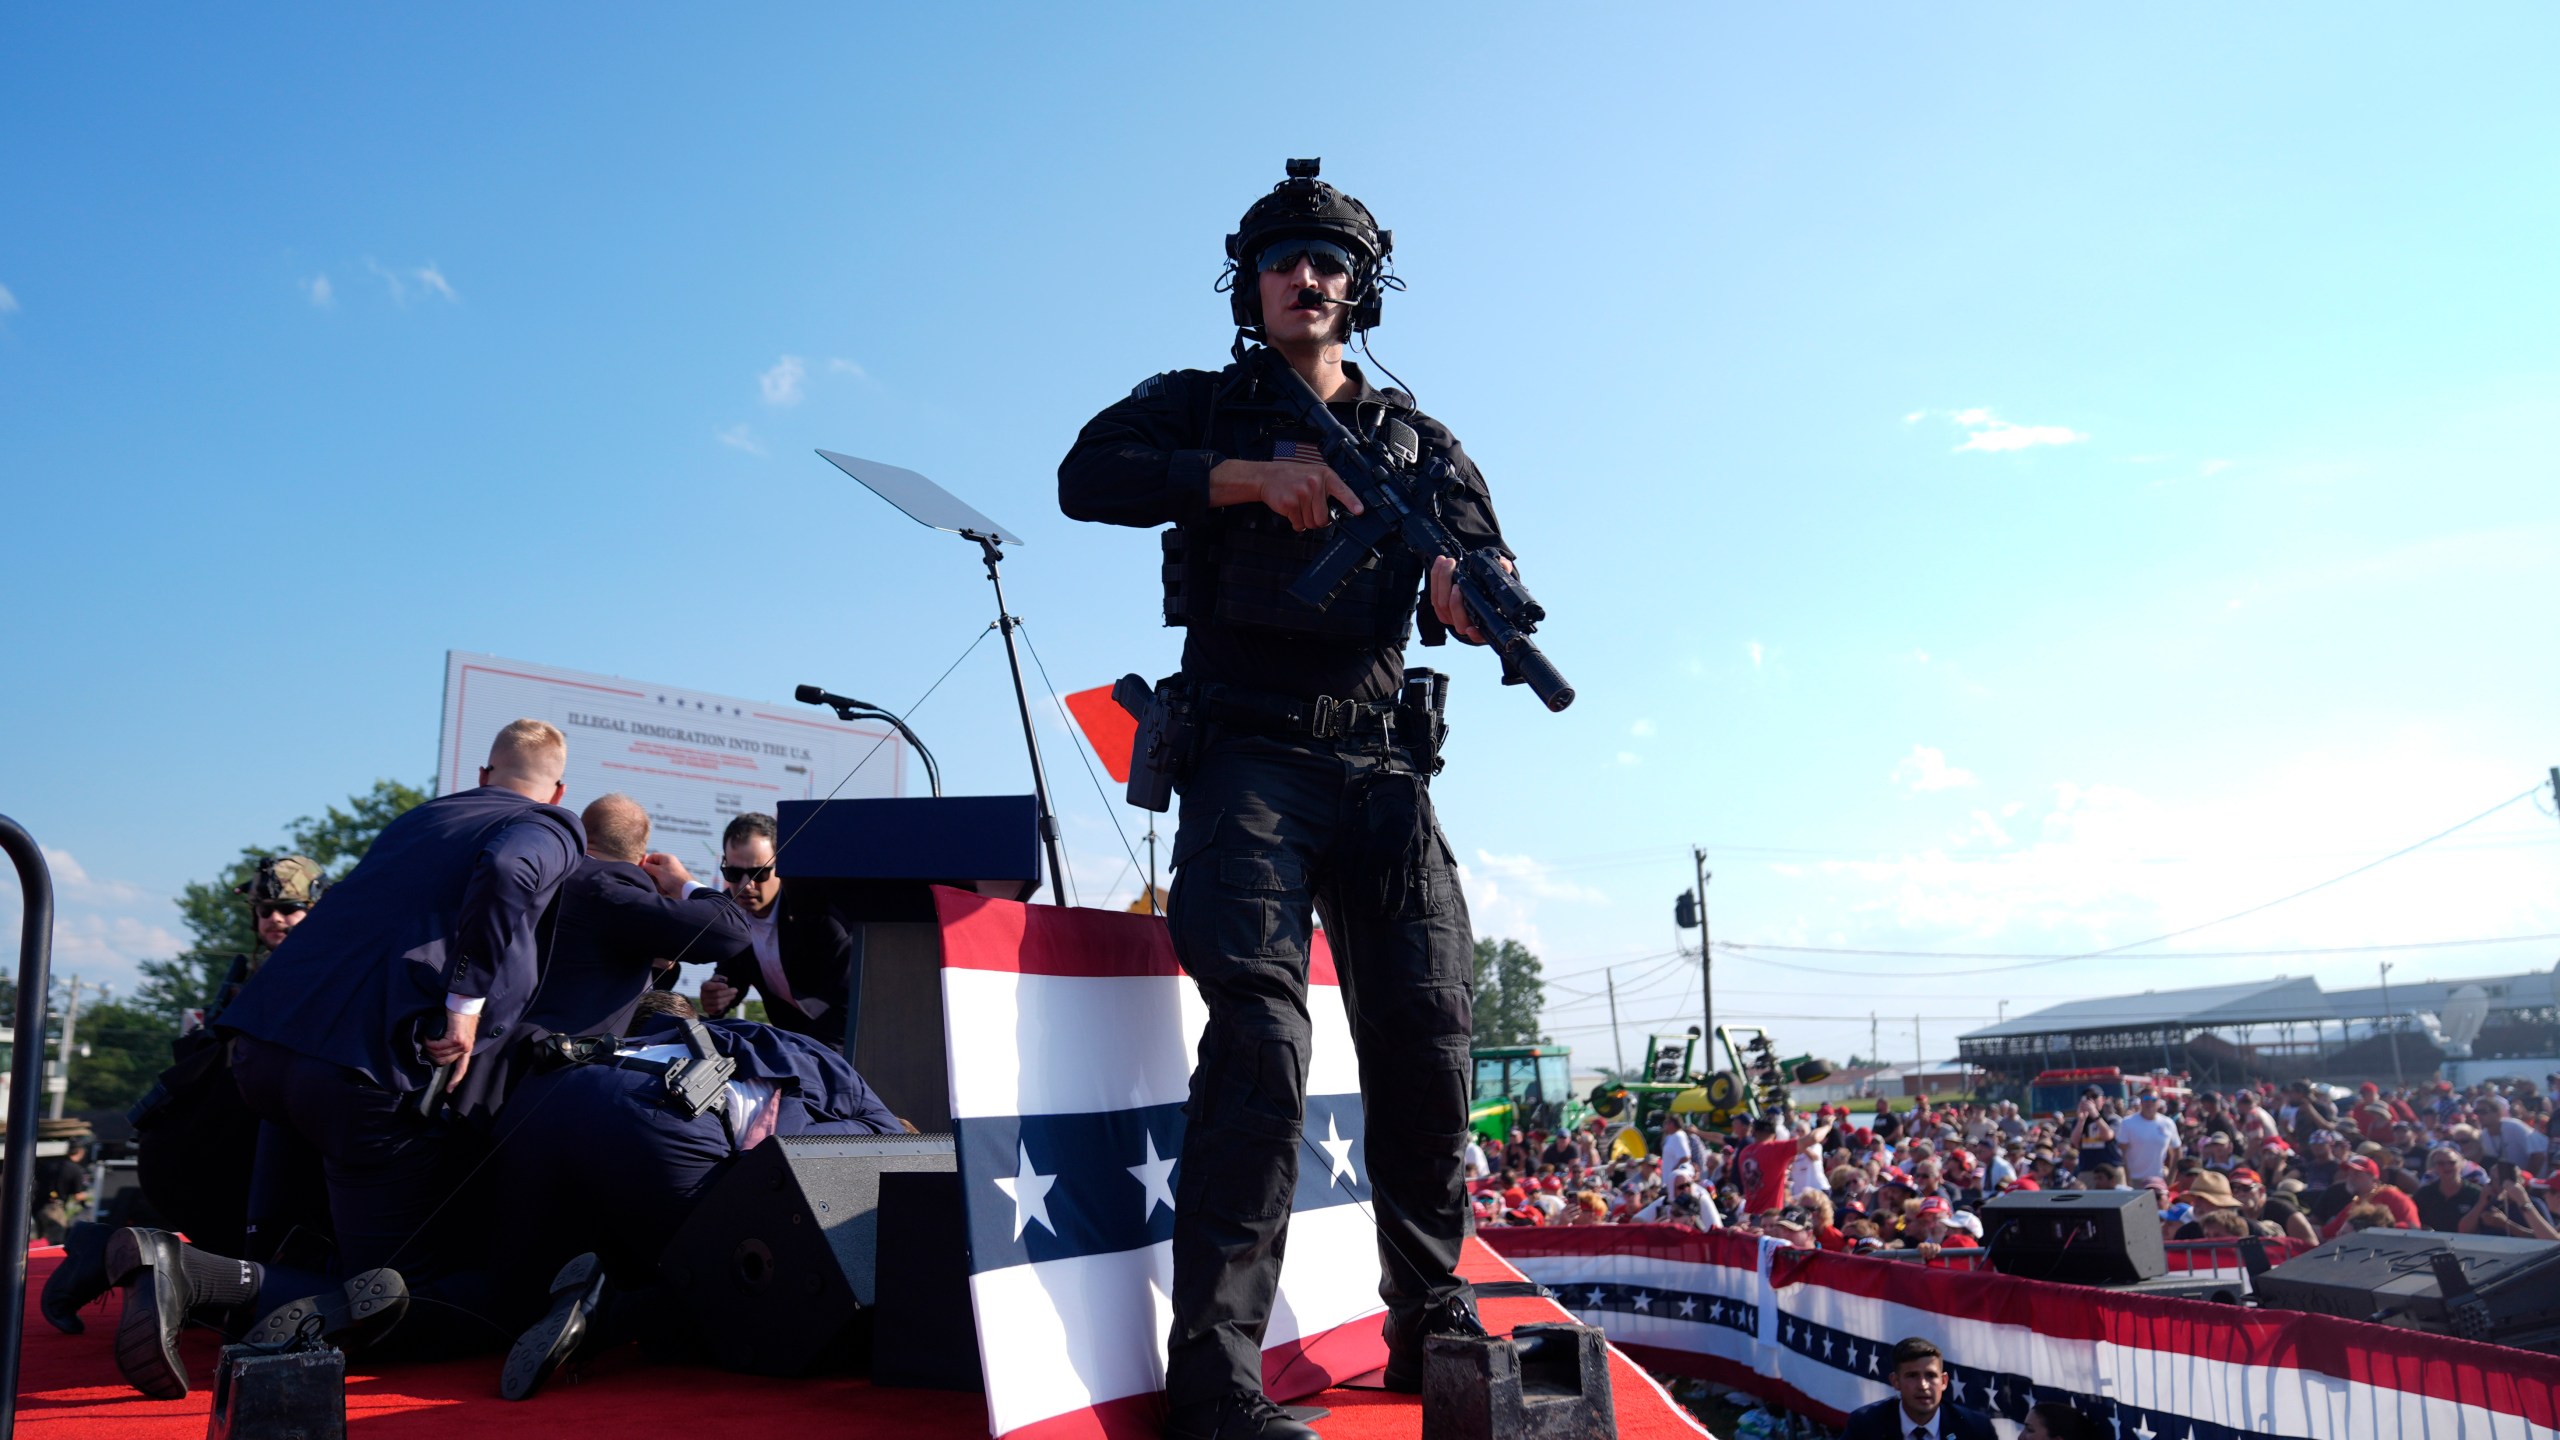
(541, 1351)
(79, 1279)
(1405, 1336)
(1237, 1417)
(356, 1314)
(150, 1265)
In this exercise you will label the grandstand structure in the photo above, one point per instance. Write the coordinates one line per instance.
(2282, 1029)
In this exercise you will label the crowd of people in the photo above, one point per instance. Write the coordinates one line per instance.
(2293, 1161)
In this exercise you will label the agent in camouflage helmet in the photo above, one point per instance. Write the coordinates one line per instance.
(283, 890)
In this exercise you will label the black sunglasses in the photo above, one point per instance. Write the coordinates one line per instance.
(265, 908)
(1327, 257)
(751, 874)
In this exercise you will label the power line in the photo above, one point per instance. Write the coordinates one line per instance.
(2179, 955)
(2206, 925)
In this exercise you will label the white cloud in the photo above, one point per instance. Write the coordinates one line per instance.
(1629, 757)
(103, 927)
(1536, 879)
(1641, 729)
(1987, 431)
(1504, 892)
(426, 280)
(838, 365)
(739, 437)
(2213, 467)
(1915, 417)
(320, 292)
(8, 302)
(781, 384)
(1752, 647)
(1926, 769)
(1920, 655)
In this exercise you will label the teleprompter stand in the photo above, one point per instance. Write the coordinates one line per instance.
(935, 508)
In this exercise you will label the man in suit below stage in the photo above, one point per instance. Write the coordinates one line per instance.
(799, 960)
(1918, 1410)
(424, 957)
(624, 912)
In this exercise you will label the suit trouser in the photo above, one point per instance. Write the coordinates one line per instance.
(593, 1159)
(392, 1181)
(1273, 830)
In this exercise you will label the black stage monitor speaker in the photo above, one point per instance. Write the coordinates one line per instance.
(2509, 1290)
(922, 1331)
(2081, 1237)
(776, 1259)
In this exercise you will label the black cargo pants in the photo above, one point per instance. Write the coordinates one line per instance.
(1271, 830)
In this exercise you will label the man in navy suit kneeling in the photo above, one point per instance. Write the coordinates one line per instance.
(1918, 1410)
(349, 1038)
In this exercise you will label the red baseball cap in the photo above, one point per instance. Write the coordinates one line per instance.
(1934, 1205)
(2362, 1165)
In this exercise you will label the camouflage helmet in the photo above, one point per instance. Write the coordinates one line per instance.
(284, 880)
(1303, 207)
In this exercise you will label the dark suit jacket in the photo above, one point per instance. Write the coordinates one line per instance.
(612, 924)
(450, 899)
(1884, 1420)
(817, 961)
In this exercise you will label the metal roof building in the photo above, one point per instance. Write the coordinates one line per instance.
(2276, 1029)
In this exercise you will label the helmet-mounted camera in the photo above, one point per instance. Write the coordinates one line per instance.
(1333, 228)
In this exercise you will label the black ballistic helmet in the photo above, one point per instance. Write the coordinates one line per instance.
(1303, 207)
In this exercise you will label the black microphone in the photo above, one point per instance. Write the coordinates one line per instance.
(1312, 296)
(812, 695)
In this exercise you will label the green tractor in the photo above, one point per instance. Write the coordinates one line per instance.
(1674, 1081)
(1524, 1087)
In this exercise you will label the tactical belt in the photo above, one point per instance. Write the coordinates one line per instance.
(688, 1086)
(1322, 718)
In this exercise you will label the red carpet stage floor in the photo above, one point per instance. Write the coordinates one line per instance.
(68, 1388)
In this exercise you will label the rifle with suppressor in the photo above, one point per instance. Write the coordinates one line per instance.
(1398, 506)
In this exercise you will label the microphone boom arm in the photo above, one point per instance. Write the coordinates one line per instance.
(849, 710)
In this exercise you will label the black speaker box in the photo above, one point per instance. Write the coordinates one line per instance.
(2080, 1237)
(778, 1257)
(2390, 1276)
(923, 1333)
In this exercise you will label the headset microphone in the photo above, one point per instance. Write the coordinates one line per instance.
(1311, 296)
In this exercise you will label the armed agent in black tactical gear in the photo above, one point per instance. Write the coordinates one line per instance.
(1303, 752)
(194, 1138)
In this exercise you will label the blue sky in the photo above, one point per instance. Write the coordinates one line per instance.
(2012, 482)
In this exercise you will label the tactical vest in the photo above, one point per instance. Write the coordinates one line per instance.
(1234, 565)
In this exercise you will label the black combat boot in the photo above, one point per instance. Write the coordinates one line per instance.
(1406, 1330)
(164, 1279)
(79, 1279)
(1239, 1416)
(542, 1350)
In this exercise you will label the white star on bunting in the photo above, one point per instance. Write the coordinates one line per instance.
(1339, 1151)
(1688, 1307)
(1029, 1192)
(1644, 1301)
(1157, 1176)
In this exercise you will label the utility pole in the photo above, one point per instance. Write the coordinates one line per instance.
(60, 1084)
(1919, 1056)
(2399, 1080)
(1617, 1045)
(1706, 954)
(1875, 1047)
